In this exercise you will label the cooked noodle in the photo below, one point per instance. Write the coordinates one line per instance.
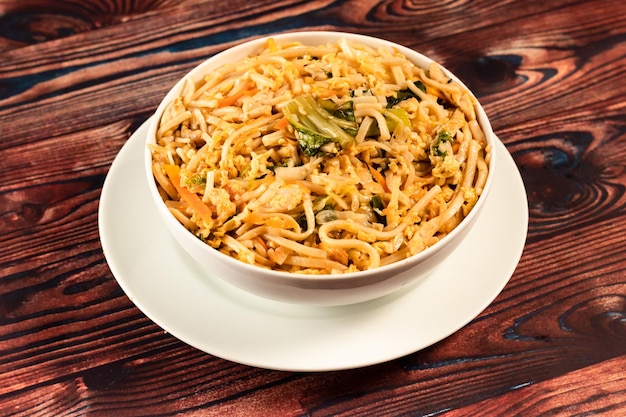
(328, 159)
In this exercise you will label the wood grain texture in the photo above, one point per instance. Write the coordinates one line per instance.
(78, 77)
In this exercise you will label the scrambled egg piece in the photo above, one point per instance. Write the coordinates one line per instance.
(447, 167)
(471, 197)
(224, 208)
(287, 198)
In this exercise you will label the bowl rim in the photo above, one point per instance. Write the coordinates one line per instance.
(250, 45)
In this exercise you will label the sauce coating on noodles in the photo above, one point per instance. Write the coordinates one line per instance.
(321, 159)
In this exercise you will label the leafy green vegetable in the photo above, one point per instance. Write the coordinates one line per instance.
(325, 216)
(344, 111)
(405, 94)
(322, 202)
(310, 142)
(315, 126)
(302, 221)
(393, 118)
(376, 203)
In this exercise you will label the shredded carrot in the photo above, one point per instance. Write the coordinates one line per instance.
(455, 147)
(192, 199)
(248, 90)
(254, 219)
(434, 92)
(282, 123)
(379, 178)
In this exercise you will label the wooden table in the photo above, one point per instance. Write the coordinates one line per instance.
(78, 78)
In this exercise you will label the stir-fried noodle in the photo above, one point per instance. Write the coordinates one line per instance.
(326, 159)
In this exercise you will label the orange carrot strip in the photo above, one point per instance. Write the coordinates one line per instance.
(230, 100)
(434, 92)
(282, 123)
(192, 199)
(379, 178)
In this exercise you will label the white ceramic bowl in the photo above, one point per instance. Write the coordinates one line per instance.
(328, 289)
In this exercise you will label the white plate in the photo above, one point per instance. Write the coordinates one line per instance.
(213, 316)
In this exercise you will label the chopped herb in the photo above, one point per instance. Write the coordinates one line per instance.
(376, 203)
(302, 222)
(442, 137)
(272, 168)
(196, 179)
(405, 94)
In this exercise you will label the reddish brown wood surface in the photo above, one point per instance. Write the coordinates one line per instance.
(78, 77)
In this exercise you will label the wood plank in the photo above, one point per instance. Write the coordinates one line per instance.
(599, 390)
